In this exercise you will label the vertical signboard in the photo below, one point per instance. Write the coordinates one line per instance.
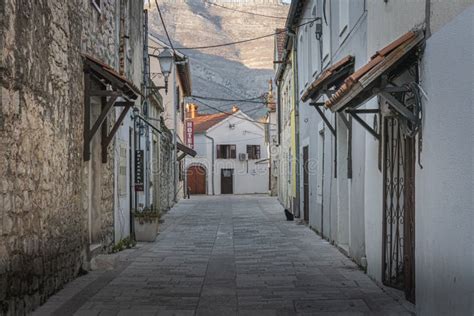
(190, 134)
(139, 170)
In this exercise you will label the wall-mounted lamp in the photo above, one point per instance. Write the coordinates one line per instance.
(165, 58)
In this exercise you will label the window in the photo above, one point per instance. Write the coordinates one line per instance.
(343, 18)
(97, 5)
(253, 151)
(226, 151)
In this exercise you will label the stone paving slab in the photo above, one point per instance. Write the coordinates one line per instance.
(232, 255)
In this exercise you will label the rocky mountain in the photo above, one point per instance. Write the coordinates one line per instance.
(237, 71)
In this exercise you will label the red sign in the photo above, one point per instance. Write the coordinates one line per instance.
(190, 134)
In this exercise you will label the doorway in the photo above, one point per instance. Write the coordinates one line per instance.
(227, 181)
(305, 184)
(196, 180)
(398, 247)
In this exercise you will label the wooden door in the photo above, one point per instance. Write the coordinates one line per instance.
(197, 180)
(305, 184)
(227, 181)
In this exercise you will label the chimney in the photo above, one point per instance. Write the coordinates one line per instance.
(235, 108)
(192, 111)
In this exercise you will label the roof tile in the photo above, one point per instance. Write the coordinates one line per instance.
(379, 58)
(204, 122)
(326, 74)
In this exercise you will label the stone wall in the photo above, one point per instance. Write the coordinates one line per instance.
(166, 169)
(44, 234)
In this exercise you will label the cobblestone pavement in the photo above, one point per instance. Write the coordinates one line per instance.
(227, 256)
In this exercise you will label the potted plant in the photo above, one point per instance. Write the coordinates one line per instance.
(146, 224)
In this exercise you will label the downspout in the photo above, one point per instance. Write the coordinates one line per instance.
(297, 136)
(212, 161)
(279, 110)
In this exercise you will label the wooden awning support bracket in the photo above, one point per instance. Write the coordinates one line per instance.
(106, 139)
(89, 132)
(355, 114)
(317, 106)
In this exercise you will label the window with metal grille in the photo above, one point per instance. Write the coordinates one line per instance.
(226, 151)
(253, 151)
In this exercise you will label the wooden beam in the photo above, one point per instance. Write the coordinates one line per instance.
(113, 131)
(102, 115)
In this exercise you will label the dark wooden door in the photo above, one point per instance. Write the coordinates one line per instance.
(398, 208)
(197, 180)
(227, 181)
(305, 184)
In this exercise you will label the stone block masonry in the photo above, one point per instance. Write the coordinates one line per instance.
(44, 223)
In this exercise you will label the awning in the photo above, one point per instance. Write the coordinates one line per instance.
(122, 94)
(367, 81)
(185, 151)
(332, 76)
(106, 73)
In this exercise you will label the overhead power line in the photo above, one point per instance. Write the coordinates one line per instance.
(164, 26)
(239, 42)
(245, 12)
(221, 111)
(250, 100)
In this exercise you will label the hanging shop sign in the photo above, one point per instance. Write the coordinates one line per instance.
(139, 176)
(190, 134)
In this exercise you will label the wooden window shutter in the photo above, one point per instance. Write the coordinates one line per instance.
(257, 152)
(232, 151)
(218, 150)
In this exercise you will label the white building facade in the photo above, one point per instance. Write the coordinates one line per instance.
(231, 155)
(385, 93)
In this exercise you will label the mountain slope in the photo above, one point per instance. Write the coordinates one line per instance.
(233, 72)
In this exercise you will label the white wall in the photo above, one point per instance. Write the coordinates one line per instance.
(255, 180)
(386, 21)
(444, 196)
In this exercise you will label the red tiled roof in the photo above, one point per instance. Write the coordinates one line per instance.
(204, 122)
(327, 74)
(382, 61)
(280, 39)
(112, 71)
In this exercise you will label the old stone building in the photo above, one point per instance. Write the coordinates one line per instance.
(54, 202)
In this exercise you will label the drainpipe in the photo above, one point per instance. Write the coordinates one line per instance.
(212, 160)
(297, 128)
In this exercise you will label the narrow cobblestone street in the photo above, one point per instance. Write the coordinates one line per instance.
(225, 256)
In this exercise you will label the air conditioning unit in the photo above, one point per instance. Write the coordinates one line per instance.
(243, 156)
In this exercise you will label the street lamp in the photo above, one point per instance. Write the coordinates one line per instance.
(165, 58)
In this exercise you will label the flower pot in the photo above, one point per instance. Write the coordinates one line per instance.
(146, 230)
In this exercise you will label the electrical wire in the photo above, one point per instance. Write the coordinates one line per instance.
(240, 118)
(239, 42)
(245, 12)
(250, 100)
(164, 26)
